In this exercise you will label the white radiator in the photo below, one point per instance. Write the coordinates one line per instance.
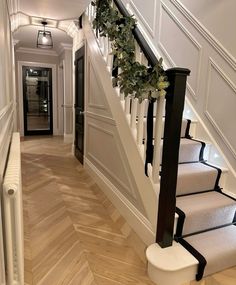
(2, 263)
(13, 216)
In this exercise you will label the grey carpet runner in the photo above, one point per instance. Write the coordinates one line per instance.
(206, 224)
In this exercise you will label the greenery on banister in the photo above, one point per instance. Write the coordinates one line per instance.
(135, 78)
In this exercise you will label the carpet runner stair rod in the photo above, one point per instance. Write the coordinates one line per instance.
(178, 163)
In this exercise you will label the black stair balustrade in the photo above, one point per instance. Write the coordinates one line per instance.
(175, 98)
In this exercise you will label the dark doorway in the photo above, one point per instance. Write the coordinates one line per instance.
(79, 104)
(37, 98)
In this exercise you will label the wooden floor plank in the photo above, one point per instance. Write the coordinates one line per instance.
(66, 224)
(73, 233)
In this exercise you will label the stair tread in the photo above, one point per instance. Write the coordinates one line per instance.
(217, 246)
(206, 210)
(189, 150)
(195, 177)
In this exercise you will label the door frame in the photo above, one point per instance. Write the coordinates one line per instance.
(80, 50)
(37, 132)
(20, 105)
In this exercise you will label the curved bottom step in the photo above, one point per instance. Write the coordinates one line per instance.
(170, 266)
(175, 265)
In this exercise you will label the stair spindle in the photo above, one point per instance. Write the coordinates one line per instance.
(158, 131)
(134, 110)
(127, 105)
(142, 107)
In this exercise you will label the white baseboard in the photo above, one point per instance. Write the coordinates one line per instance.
(134, 218)
(68, 138)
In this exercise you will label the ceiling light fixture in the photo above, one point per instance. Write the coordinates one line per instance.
(44, 39)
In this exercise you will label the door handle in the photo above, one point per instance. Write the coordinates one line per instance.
(81, 112)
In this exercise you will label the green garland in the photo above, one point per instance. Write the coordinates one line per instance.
(135, 79)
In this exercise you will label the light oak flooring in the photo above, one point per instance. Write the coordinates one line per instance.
(70, 237)
(73, 234)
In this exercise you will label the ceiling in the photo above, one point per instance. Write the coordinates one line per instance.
(27, 37)
(27, 16)
(54, 9)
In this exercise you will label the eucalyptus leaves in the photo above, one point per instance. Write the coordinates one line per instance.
(135, 79)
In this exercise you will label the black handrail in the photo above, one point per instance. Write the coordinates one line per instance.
(173, 119)
(152, 60)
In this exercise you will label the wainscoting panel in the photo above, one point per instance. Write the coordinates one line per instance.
(146, 13)
(6, 87)
(103, 151)
(220, 104)
(96, 101)
(174, 36)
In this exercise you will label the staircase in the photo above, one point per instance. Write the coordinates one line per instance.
(207, 216)
(206, 220)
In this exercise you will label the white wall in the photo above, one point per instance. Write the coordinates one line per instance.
(108, 141)
(6, 84)
(46, 60)
(199, 35)
(66, 64)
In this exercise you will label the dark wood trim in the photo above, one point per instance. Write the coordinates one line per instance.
(170, 155)
(79, 54)
(81, 22)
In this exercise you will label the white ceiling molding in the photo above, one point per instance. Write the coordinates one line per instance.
(37, 21)
(19, 20)
(15, 42)
(64, 46)
(13, 6)
(37, 51)
(72, 29)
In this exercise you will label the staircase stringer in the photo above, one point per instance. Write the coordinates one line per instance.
(147, 190)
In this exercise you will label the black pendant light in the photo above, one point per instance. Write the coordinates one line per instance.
(44, 39)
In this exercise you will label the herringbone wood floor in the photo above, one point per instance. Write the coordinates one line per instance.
(73, 234)
(70, 238)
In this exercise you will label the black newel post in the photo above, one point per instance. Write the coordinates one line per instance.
(173, 120)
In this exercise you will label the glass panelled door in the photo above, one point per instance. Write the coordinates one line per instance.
(37, 93)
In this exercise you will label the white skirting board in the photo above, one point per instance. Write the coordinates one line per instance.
(133, 217)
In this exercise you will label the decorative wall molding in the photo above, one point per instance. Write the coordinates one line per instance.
(67, 106)
(101, 118)
(151, 29)
(13, 6)
(133, 216)
(5, 110)
(36, 51)
(63, 47)
(54, 93)
(205, 33)
(6, 123)
(196, 44)
(213, 65)
(121, 184)
(90, 83)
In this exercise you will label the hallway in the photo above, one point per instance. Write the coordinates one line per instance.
(72, 232)
(70, 237)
